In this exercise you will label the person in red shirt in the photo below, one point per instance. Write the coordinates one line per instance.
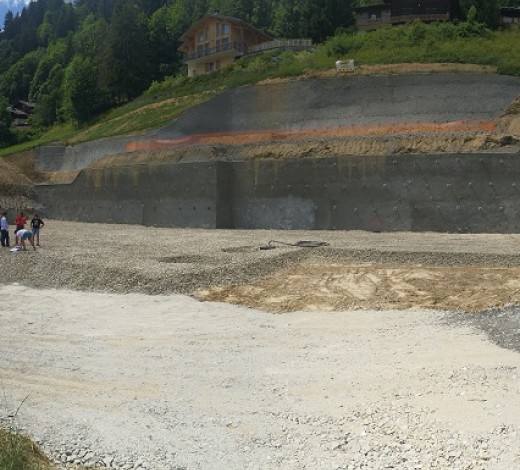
(20, 222)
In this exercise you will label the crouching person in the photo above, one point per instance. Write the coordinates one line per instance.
(24, 235)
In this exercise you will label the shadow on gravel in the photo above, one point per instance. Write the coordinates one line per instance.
(502, 326)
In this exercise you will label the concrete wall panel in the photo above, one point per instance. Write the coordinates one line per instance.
(449, 193)
(289, 213)
(317, 105)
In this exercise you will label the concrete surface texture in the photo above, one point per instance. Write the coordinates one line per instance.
(323, 106)
(453, 193)
(456, 193)
(349, 101)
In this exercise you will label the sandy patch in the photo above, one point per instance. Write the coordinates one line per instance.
(340, 286)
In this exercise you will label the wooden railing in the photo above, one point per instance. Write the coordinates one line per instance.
(389, 20)
(240, 48)
(281, 44)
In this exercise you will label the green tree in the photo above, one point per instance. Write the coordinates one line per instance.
(286, 18)
(49, 98)
(56, 54)
(166, 25)
(487, 11)
(16, 82)
(317, 19)
(89, 37)
(5, 123)
(82, 97)
(125, 69)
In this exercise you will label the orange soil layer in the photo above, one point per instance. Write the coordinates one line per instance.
(244, 137)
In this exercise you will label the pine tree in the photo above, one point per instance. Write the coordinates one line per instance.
(125, 68)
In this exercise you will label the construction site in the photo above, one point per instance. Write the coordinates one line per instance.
(320, 273)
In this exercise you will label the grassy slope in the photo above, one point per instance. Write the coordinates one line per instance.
(19, 453)
(416, 43)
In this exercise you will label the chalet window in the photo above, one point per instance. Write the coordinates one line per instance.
(221, 44)
(222, 29)
(202, 36)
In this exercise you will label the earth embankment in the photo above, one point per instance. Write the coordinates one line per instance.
(347, 107)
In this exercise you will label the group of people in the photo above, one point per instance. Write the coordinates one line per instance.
(22, 235)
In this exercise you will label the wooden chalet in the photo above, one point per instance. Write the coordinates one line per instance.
(216, 41)
(393, 12)
(510, 15)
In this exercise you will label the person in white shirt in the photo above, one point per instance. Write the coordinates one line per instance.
(23, 235)
(4, 230)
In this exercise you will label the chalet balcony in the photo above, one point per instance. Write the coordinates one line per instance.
(241, 49)
(374, 23)
(236, 47)
(284, 44)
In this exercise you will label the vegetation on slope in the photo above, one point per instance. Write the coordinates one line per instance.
(19, 453)
(86, 118)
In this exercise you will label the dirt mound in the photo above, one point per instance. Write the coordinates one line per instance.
(316, 148)
(342, 286)
(377, 69)
(11, 174)
(509, 121)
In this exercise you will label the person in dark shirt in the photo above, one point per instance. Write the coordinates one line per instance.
(36, 225)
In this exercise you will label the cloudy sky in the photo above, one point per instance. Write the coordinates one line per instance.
(13, 5)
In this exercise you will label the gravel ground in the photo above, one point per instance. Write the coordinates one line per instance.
(120, 379)
(126, 258)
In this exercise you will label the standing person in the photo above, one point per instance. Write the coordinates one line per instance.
(36, 225)
(4, 230)
(19, 222)
(25, 235)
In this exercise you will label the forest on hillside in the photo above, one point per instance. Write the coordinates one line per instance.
(78, 59)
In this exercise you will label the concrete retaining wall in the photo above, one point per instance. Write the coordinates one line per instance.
(76, 157)
(312, 104)
(448, 193)
(350, 101)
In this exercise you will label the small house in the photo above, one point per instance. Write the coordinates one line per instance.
(510, 15)
(393, 12)
(216, 41)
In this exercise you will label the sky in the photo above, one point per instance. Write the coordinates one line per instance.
(14, 5)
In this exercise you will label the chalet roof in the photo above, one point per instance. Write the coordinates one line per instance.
(17, 112)
(513, 12)
(216, 17)
(376, 6)
(22, 103)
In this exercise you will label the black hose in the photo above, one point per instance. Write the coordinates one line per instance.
(300, 244)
